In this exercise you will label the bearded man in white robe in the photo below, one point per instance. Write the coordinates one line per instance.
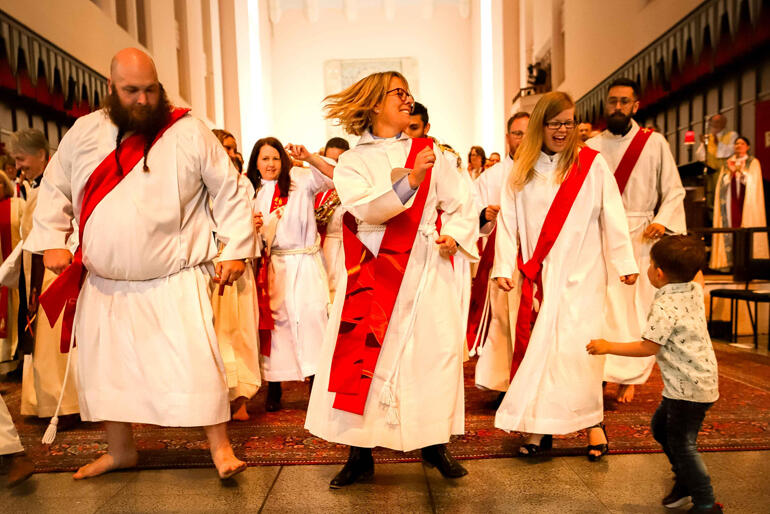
(653, 198)
(147, 349)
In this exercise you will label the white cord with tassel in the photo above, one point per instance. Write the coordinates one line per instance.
(388, 393)
(50, 432)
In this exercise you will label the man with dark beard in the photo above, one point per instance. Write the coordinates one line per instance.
(653, 198)
(148, 186)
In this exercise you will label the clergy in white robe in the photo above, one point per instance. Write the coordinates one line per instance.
(422, 351)
(557, 387)
(742, 183)
(147, 348)
(653, 194)
(495, 346)
(299, 290)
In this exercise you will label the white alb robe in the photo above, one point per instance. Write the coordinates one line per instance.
(493, 368)
(653, 194)
(9, 437)
(299, 291)
(752, 215)
(147, 350)
(558, 386)
(422, 352)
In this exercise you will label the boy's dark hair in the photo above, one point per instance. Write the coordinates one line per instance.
(680, 257)
(420, 110)
(338, 142)
(626, 82)
(520, 114)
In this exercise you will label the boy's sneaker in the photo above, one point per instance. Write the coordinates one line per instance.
(716, 508)
(677, 497)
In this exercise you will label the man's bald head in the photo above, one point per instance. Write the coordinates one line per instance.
(136, 101)
(717, 123)
(132, 63)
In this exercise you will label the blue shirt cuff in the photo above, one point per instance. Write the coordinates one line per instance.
(403, 190)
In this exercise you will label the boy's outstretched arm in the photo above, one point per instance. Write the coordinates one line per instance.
(643, 348)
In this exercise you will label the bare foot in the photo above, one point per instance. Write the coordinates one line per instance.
(625, 393)
(227, 463)
(106, 463)
(240, 414)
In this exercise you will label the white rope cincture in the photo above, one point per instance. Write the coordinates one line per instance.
(50, 432)
(388, 394)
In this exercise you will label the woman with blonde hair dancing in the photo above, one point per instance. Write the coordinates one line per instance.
(391, 368)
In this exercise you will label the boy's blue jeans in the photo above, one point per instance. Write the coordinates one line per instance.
(675, 426)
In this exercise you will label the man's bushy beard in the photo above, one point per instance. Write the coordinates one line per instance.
(618, 123)
(148, 125)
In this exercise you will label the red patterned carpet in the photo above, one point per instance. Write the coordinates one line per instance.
(740, 420)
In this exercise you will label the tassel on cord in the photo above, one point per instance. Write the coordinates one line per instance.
(392, 416)
(386, 394)
(50, 432)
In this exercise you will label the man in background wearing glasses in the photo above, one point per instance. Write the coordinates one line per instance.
(653, 198)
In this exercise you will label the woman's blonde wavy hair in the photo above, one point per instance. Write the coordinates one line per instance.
(547, 108)
(354, 106)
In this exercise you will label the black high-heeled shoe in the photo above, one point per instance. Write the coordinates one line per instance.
(604, 448)
(531, 450)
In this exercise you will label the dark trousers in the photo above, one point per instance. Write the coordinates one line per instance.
(675, 426)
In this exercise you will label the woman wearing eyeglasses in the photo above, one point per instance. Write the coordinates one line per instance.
(563, 205)
(391, 369)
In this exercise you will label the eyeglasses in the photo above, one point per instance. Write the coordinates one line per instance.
(556, 125)
(623, 100)
(401, 93)
(517, 133)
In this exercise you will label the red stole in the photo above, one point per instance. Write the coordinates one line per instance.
(63, 293)
(266, 322)
(737, 195)
(5, 243)
(479, 290)
(372, 289)
(630, 157)
(531, 271)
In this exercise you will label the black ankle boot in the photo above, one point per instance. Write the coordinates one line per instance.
(439, 457)
(360, 466)
(273, 402)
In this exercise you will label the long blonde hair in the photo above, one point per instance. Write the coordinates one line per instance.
(354, 106)
(549, 106)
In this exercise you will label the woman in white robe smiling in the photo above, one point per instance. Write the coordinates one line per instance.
(412, 396)
(557, 387)
(293, 288)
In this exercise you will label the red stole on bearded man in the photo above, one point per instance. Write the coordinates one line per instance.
(63, 293)
(630, 158)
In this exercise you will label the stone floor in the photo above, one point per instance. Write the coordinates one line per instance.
(620, 483)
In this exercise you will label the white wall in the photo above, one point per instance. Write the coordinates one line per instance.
(441, 45)
(600, 36)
